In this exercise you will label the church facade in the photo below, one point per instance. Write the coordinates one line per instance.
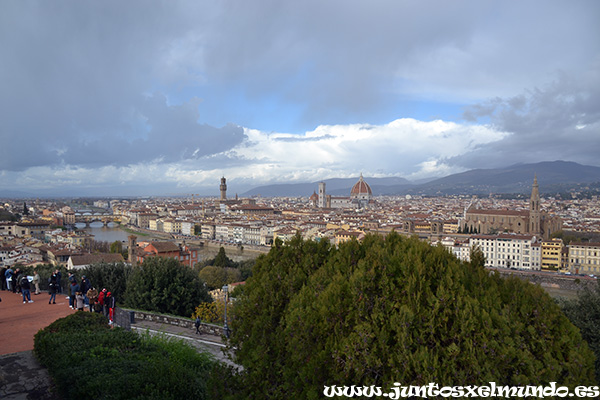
(532, 221)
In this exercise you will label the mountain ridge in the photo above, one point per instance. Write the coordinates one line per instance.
(552, 176)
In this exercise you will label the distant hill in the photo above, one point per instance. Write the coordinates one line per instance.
(553, 177)
(335, 187)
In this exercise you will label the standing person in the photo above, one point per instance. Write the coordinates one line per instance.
(70, 280)
(84, 286)
(16, 280)
(52, 288)
(25, 289)
(58, 277)
(197, 324)
(79, 302)
(74, 289)
(8, 277)
(110, 303)
(3, 278)
(36, 282)
(92, 296)
(101, 300)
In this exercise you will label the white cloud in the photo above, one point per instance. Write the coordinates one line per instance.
(401, 148)
(404, 147)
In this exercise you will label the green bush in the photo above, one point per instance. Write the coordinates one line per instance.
(164, 285)
(87, 359)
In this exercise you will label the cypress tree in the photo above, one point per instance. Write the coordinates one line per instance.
(395, 310)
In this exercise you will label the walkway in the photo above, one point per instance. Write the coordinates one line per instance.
(207, 343)
(22, 377)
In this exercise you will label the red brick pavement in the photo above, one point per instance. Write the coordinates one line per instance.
(20, 322)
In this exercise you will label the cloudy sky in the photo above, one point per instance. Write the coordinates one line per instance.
(164, 97)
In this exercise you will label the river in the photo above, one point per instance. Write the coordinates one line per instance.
(113, 232)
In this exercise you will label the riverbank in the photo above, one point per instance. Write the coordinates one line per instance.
(208, 248)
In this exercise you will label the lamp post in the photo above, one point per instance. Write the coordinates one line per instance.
(225, 327)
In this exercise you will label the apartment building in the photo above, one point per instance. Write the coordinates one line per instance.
(505, 250)
(222, 232)
(208, 231)
(584, 258)
(551, 254)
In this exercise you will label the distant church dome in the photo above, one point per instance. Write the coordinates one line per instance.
(361, 188)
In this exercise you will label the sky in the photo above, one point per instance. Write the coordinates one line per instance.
(166, 97)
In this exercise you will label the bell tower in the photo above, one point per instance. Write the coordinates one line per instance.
(534, 209)
(223, 189)
(322, 196)
(131, 250)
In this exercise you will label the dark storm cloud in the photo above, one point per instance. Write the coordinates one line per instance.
(74, 76)
(160, 133)
(89, 84)
(558, 122)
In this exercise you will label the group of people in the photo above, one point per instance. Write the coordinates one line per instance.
(17, 282)
(82, 294)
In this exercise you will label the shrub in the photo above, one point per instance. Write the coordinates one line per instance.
(214, 312)
(207, 313)
(87, 359)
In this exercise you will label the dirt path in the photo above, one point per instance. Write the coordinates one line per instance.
(20, 322)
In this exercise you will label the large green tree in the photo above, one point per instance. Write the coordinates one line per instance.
(221, 260)
(110, 276)
(395, 310)
(216, 277)
(165, 286)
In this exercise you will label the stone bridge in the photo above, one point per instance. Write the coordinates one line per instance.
(87, 219)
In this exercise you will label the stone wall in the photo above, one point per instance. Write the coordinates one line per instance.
(208, 329)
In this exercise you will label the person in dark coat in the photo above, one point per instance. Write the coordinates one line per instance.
(58, 283)
(84, 286)
(74, 290)
(25, 289)
(52, 288)
(109, 307)
(197, 325)
(3, 278)
(16, 280)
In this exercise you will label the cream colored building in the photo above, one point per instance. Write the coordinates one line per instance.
(171, 225)
(506, 250)
(584, 258)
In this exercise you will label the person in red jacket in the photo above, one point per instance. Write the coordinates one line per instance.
(101, 301)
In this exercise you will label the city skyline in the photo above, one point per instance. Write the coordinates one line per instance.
(156, 98)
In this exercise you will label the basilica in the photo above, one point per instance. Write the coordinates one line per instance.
(360, 197)
(530, 221)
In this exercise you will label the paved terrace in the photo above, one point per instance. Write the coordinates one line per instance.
(22, 377)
